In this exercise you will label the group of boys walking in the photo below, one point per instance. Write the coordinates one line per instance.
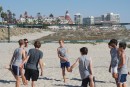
(119, 60)
(28, 59)
(23, 58)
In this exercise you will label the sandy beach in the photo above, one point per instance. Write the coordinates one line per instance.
(52, 72)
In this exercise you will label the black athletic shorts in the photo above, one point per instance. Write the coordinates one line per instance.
(31, 74)
(85, 82)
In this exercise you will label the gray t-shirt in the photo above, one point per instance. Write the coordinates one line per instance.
(63, 53)
(114, 57)
(17, 56)
(84, 66)
(34, 56)
(123, 69)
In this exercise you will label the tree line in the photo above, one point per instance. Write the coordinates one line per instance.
(7, 16)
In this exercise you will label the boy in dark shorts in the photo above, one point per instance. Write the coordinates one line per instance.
(16, 61)
(63, 55)
(85, 68)
(34, 58)
(122, 67)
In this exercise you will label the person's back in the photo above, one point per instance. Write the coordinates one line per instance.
(33, 59)
(17, 57)
(34, 56)
(114, 57)
(16, 62)
(84, 68)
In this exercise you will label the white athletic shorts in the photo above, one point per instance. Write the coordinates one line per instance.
(114, 70)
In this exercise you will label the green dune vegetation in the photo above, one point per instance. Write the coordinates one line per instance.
(88, 35)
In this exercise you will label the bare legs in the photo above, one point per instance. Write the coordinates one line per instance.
(17, 81)
(33, 83)
(121, 85)
(23, 77)
(115, 76)
(63, 72)
(69, 69)
(91, 81)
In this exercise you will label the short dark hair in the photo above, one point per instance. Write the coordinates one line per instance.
(37, 44)
(113, 41)
(84, 50)
(109, 43)
(122, 45)
(25, 39)
(21, 42)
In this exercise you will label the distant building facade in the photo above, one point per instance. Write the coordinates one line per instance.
(106, 18)
(97, 20)
(88, 20)
(113, 17)
(78, 18)
(49, 20)
(25, 18)
(66, 19)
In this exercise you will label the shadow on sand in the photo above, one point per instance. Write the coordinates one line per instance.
(65, 85)
(46, 78)
(5, 81)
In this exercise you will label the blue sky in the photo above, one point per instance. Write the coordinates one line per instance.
(58, 7)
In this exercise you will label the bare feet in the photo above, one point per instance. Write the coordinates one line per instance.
(64, 80)
(128, 73)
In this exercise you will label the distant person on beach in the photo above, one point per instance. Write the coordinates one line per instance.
(33, 59)
(122, 67)
(85, 68)
(16, 61)
(62, 52)
(26, 48)
(113, 68)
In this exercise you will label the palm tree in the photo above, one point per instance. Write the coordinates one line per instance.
(3, 16)
(13, 17)
(58, 21)
(34, 21)
(26, 17)
(1, 9)
(9, 16)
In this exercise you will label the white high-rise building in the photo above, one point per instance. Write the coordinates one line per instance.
(78, 18)
(113, 17)
(88, 20)
(97, 20)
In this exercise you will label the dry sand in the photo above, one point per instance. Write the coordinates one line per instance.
(52, 72)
